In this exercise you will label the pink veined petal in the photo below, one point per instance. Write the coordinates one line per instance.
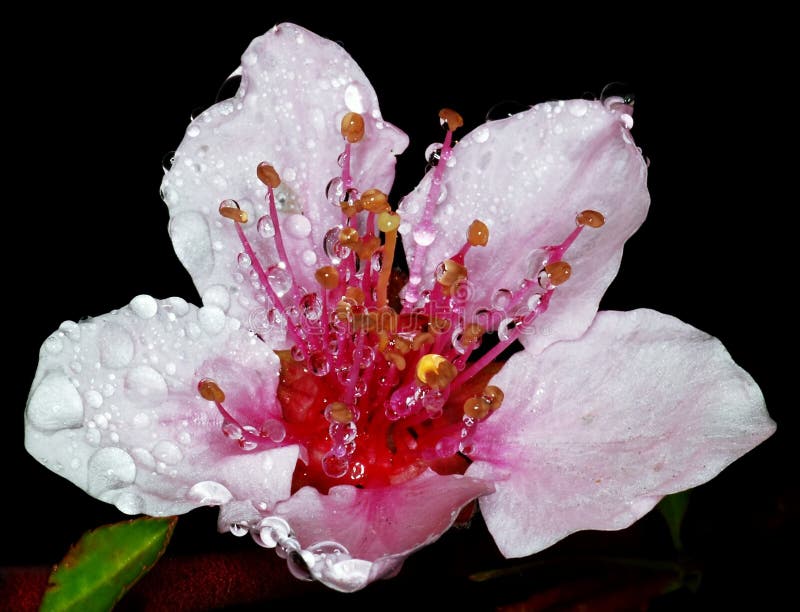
(114, 408)
(379, 527)
(295, 89)
(527, 177)
(593, 432)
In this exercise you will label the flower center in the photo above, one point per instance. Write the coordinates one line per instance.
(375, 392)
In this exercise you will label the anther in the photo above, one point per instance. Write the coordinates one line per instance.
(348, 237)
(477, 408)
(268, 175)
(592, 218)
(472, 334)
(209, 390)
(353, 127)
(435, 371)
(388, 222)
(478, 233)
(450, 272)
(354, 293)
(375, 201)
(230, 210)
(339, 412)
(558, 272)
(327, 277)
(450, 119)
(423, 338)
(493, 395)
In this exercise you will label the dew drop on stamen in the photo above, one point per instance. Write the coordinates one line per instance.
(265, 227)
(280, 280)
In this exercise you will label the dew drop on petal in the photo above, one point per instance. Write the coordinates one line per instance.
(298, 226)
(168, 452)
(55, 404)
(144, 306)
(210, 493)
(110, 468)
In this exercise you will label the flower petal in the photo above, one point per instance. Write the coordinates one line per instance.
(114, 409)
(379, 527)
(593, 432)
(295, 89)
(527, 177)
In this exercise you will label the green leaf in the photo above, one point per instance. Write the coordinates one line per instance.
(105, 563)
(673, 509)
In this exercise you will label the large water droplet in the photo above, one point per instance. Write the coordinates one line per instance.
(279, 279)
(130, 503)
(424, 236)
(433, 153)
(298, 226)
(110, 468)
(333, 466)
(55, 404)
(481, 134)
(334, 191)
(146, 383)
(210, 493)
(265, 227)
(211, 319)
(168, 452)
(333, 248)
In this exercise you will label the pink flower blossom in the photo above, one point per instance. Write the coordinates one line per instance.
(346, 426)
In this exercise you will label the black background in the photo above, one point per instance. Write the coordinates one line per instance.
(98, 99)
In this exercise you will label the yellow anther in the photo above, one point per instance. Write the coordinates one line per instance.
(339, 412)
(450, 119)
(353, 127)
(476, 408)
(494, 396)
(478, 233)
(230, 210)
(559, 272)
(450, 273)
(388, 222)
(351, 207)
(375, 201)
(348, 237)
(592, 218)
(435, 371)
(328, 277)
(209, 390)
(268, 175)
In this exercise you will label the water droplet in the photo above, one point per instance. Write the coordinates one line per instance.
(210, 493)
(232, 430)
(451, 161)
(355, 97)
(536, 262)
(115, 346)
(534, 301)
(272, 530)
(193, 131)
(168, 452)
(505, 109)
(481, 134)
(424, 236)
(627, 120)
(239, 528)
(110, 468)
(211, 319)
(433, 153)
(55, 404)
(310, 307)
(146, 383)
(185, 438)
(501, 299)
(334, 191)
(505, 328)
(72, 329)
(93, 399)
(298, 226)
(309, 257)
(279, 280)
(167, 161)
(274, 430)
(343, 433)
(243, 260)
(53, 345)
(334, 249)
(333, 466)
(578, 108)
(130, 503)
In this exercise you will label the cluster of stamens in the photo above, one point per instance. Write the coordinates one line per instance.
(375, 391)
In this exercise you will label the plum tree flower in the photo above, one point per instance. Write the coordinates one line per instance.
(345, 422)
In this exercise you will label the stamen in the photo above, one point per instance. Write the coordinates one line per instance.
(478, 233)
(210, 391)
(435, 371)
(327, 277)
(450, 119)
(592, 218)
(558, 272)
(353, 127)
(388, 223)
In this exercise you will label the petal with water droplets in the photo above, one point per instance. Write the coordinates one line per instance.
(593, 432)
